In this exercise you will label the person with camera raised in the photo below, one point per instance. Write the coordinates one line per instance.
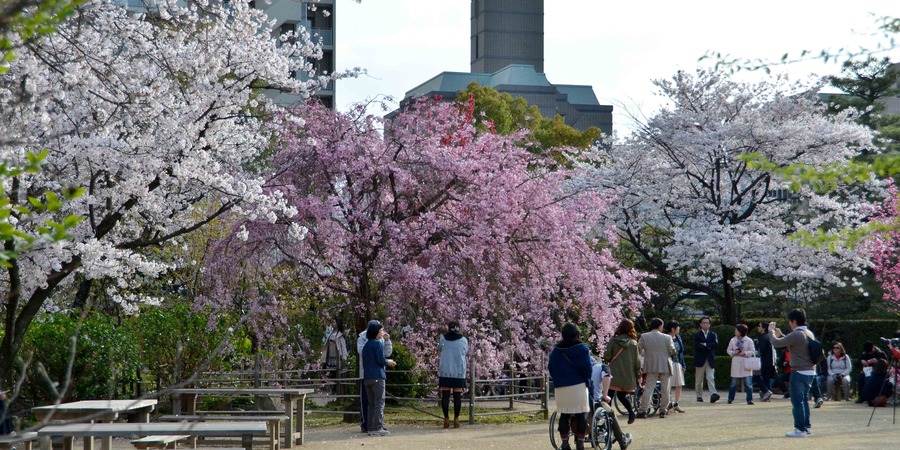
(803, 368)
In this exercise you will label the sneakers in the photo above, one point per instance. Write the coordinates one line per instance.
(381, 432)
(714, 398)
(766, 397)
(730, 401)
(663, 414)
(624, 445)
(751, 402)
(641, 415)
(796, 434)
(819, 402)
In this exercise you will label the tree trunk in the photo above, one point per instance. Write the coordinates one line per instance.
(728, 306)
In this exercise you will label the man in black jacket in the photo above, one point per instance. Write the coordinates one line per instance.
(705, 343)
(767, 359)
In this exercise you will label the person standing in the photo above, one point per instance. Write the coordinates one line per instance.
(678, 367)
(839, 367)
(570, 367)
(657, 349)
(625, 365)
(705, 343)
(361, 341)
(334, 354)
(767, 362)
(803, 369)
(374, 376)
(452, 371)
(739, 348)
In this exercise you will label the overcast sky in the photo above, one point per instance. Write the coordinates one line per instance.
(617, 47)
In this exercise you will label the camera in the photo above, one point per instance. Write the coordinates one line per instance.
(895, 342)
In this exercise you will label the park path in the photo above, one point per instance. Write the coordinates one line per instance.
(837, 425)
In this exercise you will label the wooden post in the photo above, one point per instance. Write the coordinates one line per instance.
(472, 390)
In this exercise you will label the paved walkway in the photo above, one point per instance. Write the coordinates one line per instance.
(837, 425)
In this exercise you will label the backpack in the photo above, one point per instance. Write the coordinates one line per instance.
(816, 352)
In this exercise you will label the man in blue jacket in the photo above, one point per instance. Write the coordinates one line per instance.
(705, 343)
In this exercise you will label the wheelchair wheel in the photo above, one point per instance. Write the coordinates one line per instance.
(553, 431)
(618, 406)
(654, 400)
(601, 430)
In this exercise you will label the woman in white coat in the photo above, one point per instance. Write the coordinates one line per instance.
(739, 348)
(839, 367)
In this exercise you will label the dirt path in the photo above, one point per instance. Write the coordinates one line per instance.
(837, 425)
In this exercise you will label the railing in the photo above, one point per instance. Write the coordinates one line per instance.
(514, 393)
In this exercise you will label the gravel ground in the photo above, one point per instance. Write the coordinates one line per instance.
(837, 425)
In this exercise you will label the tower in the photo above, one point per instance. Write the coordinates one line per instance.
(507, 32)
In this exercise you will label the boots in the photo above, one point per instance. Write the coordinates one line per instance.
(446, 422)
(456, 422)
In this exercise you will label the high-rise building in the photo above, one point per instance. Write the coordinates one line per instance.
(318, 18)
(507, 54)
(507, 32)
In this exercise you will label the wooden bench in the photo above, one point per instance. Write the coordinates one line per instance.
(159, 441)
(245, 430)
(27, 438)
(273, 422)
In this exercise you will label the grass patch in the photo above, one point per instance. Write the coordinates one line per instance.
(402, 414)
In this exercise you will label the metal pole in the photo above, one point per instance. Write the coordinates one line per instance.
(472, 390)
(545, 383)
(512, 376)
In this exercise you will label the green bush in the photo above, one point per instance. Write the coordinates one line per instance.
(404, 380)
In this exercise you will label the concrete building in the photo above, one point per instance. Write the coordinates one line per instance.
(507, 54)
(318, 18)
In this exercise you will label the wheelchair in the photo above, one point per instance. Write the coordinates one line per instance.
(635, 398)
(599, 429)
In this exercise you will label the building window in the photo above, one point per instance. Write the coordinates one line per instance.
(325, 66)
(477, 53)
(321, 18)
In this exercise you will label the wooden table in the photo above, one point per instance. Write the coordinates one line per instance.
(245, 430)
(184, 401)
(97, 411)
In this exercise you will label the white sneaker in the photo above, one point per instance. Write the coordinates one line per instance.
(381, 432)
(796, 434)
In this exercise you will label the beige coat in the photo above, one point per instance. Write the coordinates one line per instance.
(657, 349)
(737, 362)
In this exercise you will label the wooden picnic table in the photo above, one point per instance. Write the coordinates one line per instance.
(97, 411)
(184, 401)
(245, 430)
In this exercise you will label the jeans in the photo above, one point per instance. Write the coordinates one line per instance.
(375, 394)
(765, 378)
(800, 386)
(816, 388)
(363, 406)
(748, 388)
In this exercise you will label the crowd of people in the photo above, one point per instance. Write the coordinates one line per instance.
(583, 382)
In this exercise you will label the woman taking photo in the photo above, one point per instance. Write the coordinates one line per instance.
(570, 367)
(739, 348)
(452, 371)
(839, 367)
(624, 362)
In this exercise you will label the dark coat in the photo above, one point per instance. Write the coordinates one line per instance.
(705, 348)
(766, 351)
(626, 368)
(570, 366)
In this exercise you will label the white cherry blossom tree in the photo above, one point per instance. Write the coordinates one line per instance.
(159, 119)
(702, 219)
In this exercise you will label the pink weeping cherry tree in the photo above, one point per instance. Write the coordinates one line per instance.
(423, 220)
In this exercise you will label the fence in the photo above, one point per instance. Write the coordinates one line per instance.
(511, 392)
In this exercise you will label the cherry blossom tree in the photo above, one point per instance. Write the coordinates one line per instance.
(432, 220)
(705, 220)
(158, 118)
(884, 247)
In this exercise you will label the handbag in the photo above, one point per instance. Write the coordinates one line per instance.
(752, 363)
